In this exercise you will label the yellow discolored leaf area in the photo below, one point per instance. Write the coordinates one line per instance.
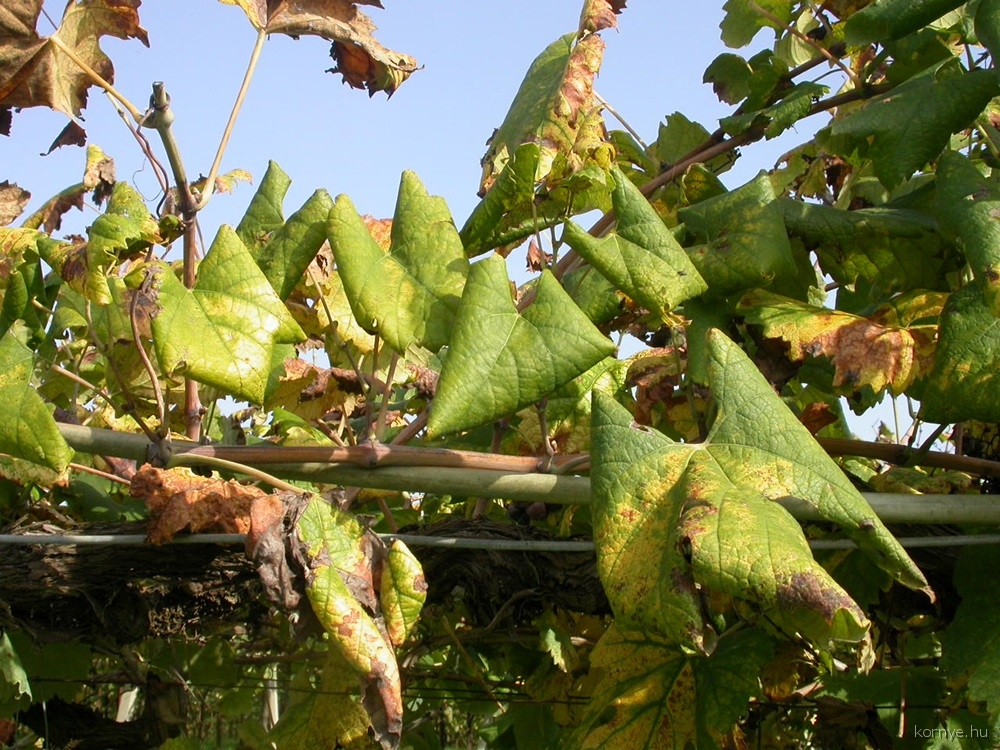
(864, 351)
(403, 592)
(36, 72)
(651, 694)
(331, 716)
(361, 60)
(344, 564)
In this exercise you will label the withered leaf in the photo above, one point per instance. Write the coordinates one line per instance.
(71, 135)
(600, 14)
(180, 502)
(35, 72)
(13, 199)
(361, 60)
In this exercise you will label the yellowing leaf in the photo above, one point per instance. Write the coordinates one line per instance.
(674, 522)
(551, 109)
(229, 329)
(863, 351)
(653, 695)
(361, 60)
(403, 592)
(341, 551)
(34, 72)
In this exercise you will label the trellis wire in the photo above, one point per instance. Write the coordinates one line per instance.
(416, 540)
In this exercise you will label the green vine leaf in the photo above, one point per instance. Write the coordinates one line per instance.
(410, 294)
(653, 695)
(294, 244)
(685, 510)
(962, 384)
(641, 257)
(14, 682)
(888, 20)
(741, 242)
(204, 332)
(893, 249)
(743, 19)
(28, 432)
(264, 215)
(968, 204)
(905, 129)
(500, 360)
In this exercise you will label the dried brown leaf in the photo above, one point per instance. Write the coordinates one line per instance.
(600, 14)
(361, 60)
(71, 135)
(13, 199)
(36, 73)
(178, 502)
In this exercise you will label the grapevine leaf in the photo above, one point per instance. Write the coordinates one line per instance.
(864, 352)
(126, 227)
(34, 72)
(793, 106)
(641, 257)
(593, 294)
(27, 429)
(968, 204)
(742, 243)
(567, 412)
(894, 249)
(678, 137)
(972, 642)
(13, 679)
(206, 332)
(552, 109)
(888, 20)
(903, 130)
(752, 422)
(410, 294)
(652, 695)
(674, 506)
(403, 592)
(327, 715)
(294, 244)
(341, 551)
(361, 60)
(964, 379)
(988, 26)
(512, 210)
(264, 215)
(744, 19)
(13, 199)
(684, 510)
(500, 360)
